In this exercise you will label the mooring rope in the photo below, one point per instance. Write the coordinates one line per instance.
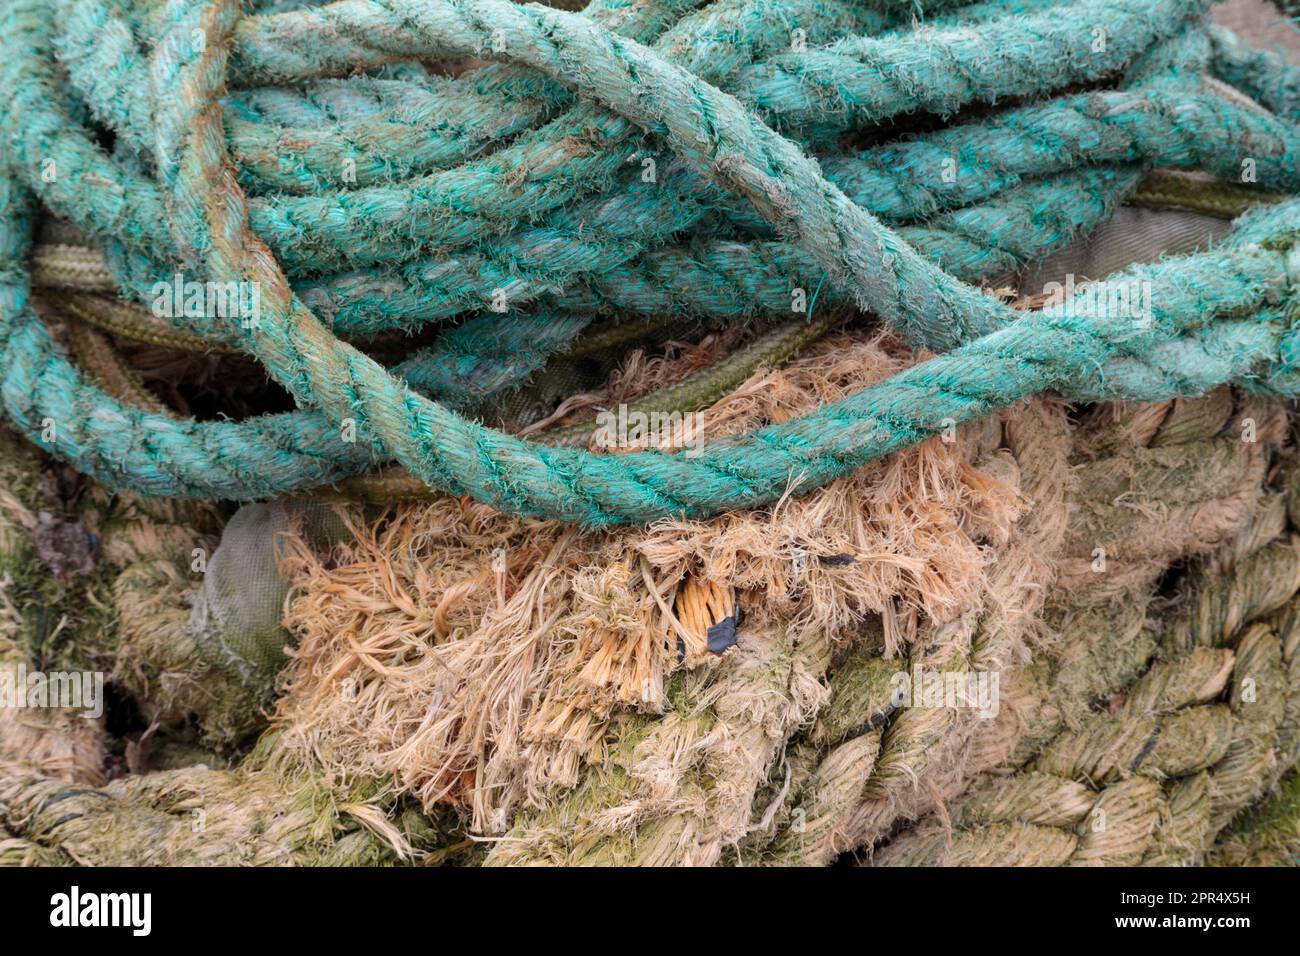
(544, 215)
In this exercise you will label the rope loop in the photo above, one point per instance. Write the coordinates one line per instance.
(636, 162)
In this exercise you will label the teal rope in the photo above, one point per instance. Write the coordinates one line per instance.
(920, 299)
(233, 460)
(447, 127)
(459, 206)
(966, 245)
(641, 213)
(462, 457)
(573, 154)
(403, 128)
(828, 234)
(860, 80)
(425, 124)
(1263, 75)
(725, 279)
(897, 182)
(97, 45)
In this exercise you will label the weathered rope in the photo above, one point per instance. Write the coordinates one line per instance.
(1100, 793)
(1219, 316)
(1261, 74)
(813, 788)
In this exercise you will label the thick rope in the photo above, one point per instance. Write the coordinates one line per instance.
(1226, 324)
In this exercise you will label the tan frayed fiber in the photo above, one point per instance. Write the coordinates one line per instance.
(545, 641)
(727, 691)
(546, 680)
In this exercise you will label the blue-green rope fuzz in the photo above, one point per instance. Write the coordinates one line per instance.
(666, 156)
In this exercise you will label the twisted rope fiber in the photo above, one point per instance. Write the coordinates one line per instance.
(1262, 75)
(494, 106)
(303, 430)
(1214, 759)
(448, 287)
(299, 226)
(285, 138)
(299, 230)
(875, 763)
(713, 54)
(465, 450)
(358, 368)
(1095, 644)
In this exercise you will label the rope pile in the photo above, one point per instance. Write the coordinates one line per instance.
(374, 204)
(1122, 694)
(438, 203)
(1138, 717)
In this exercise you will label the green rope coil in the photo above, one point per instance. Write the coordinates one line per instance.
(546, 223)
